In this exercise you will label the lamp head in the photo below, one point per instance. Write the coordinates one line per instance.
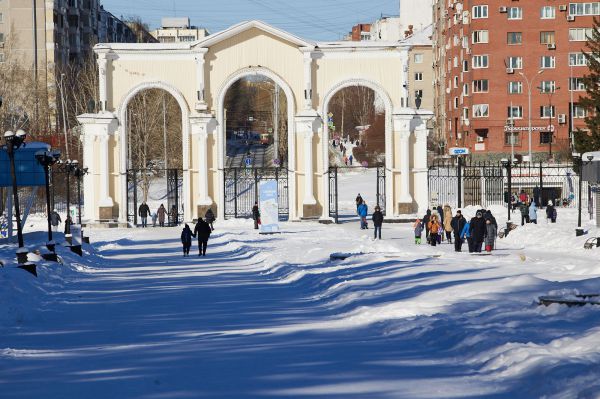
(9, 135)
(504, 162)
(56, 155)
(590, 158)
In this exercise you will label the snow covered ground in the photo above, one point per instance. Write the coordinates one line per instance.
(274, 317)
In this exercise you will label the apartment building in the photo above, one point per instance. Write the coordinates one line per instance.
(174, 30)
(505, 70)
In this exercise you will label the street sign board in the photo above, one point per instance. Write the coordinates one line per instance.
(248, 162)
(458, 151)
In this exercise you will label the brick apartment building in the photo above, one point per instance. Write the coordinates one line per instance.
(486, 52)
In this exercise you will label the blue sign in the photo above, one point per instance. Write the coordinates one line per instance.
(269, 206)
(248, 162)
(28, 170)
(458, 151)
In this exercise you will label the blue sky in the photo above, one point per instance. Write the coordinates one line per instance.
(311, 19)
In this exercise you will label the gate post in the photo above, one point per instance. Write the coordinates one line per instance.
(135, 207)
(235, 193)
(255, 184)
(459, 177)
(336, 196)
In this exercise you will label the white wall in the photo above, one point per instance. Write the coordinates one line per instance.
(418, 13)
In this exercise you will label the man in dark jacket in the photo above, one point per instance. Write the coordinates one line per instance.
(477, 231)
(256, 215)
(458, 224)
(202, 231)
(55, 220)
(210, 218)
(551, 212)
(377, 221)
(359, 201)
(426, 219)
(186, 240)
(143, 212)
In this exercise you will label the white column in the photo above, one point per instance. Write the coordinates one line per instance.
(309, 196)
(89, 188)
(200, 82)
(308, 80)
(202, 126)
(102, 90)
(405, 197)
(420, 167)
(105, 198)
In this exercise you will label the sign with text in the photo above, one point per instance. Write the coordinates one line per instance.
(76, 234)
(458, 151)
(269, 207)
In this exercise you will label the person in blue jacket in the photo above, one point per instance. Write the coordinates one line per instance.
(466, 233)
(533, 212)
(363, 211)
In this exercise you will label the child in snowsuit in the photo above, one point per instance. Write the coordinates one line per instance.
(490, 235)
(418, 227)
(434, 226)
(186, 240)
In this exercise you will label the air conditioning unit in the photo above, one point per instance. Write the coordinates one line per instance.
(570, 18)
(562, 119)
(503, 9)
(562, 7)
(480, 139)
(551, 46)
(510, 70)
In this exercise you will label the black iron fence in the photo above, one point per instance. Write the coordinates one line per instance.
(486, 184)
(155, 187)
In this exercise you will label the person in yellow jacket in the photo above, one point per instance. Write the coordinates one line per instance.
(434, 226)
(448, 223)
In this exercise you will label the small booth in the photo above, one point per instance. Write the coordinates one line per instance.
(590, 172)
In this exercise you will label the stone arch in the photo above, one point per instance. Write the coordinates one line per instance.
(124, 139)
(291, 108)
(389, 151)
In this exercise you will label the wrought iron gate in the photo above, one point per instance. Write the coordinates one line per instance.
(333, 190)
(141, 180)
(241, 190)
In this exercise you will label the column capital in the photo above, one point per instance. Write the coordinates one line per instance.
(308, 121)
(203, 124)
(101, 124)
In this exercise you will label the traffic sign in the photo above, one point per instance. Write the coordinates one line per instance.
(248, 162)
(458, 151)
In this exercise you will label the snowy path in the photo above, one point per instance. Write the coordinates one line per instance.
(272, 316)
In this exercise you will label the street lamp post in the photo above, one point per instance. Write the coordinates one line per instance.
(47, 159)
(79, 173)
(529, 83)
(550, 93)
(577, 157)
(508, 165)
(13, 143)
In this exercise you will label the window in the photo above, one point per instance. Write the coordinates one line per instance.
(1, 18)
(515, 13)
(481, 110)
(579, 112)
(515, 87)
(465, 66)
(480, 86)
(465, 113)
(546, 137)
(547, 86)
(579, 9)
(455, 62)
(418, 93)
(547, 37)
(579, 34)
(547, 111)
(512, 138)
(548, 12)
(515, 62)
(455, 102)
(418, 58)
(480, 36)
(192, 38)
(1, 37)
(1, 57)
(456, 82)
(515, 112)
(514, 38)
(577, 59)
(480, 12)
(576, 84)
(480, 61)
(418, 76)
(547, 61)
(465, 90)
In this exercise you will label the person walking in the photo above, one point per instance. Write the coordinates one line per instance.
(523, 197)
(143, 212)
(350, 159)
(465, 234)
(209, 216)
(363, 211)
(418, 228)
(161, 212)
(202, 231)
(173, 216)
(68, 223)
(359, 200)
(377, 222)
(433, 227)
(154, 218)
(55, 220)
(532, 212)
(524, 213)
(186, 239)
(551, 212)
(256, 215)
(477, 231)
(490, 235)
(448, 223)
(457, 224)
(426, 219)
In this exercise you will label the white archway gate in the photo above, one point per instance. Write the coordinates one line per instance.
(199, 74)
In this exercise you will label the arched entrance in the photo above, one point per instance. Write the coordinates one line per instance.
(376, 169)
(239, 184)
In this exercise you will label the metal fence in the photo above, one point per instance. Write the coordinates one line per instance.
(486, 184)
